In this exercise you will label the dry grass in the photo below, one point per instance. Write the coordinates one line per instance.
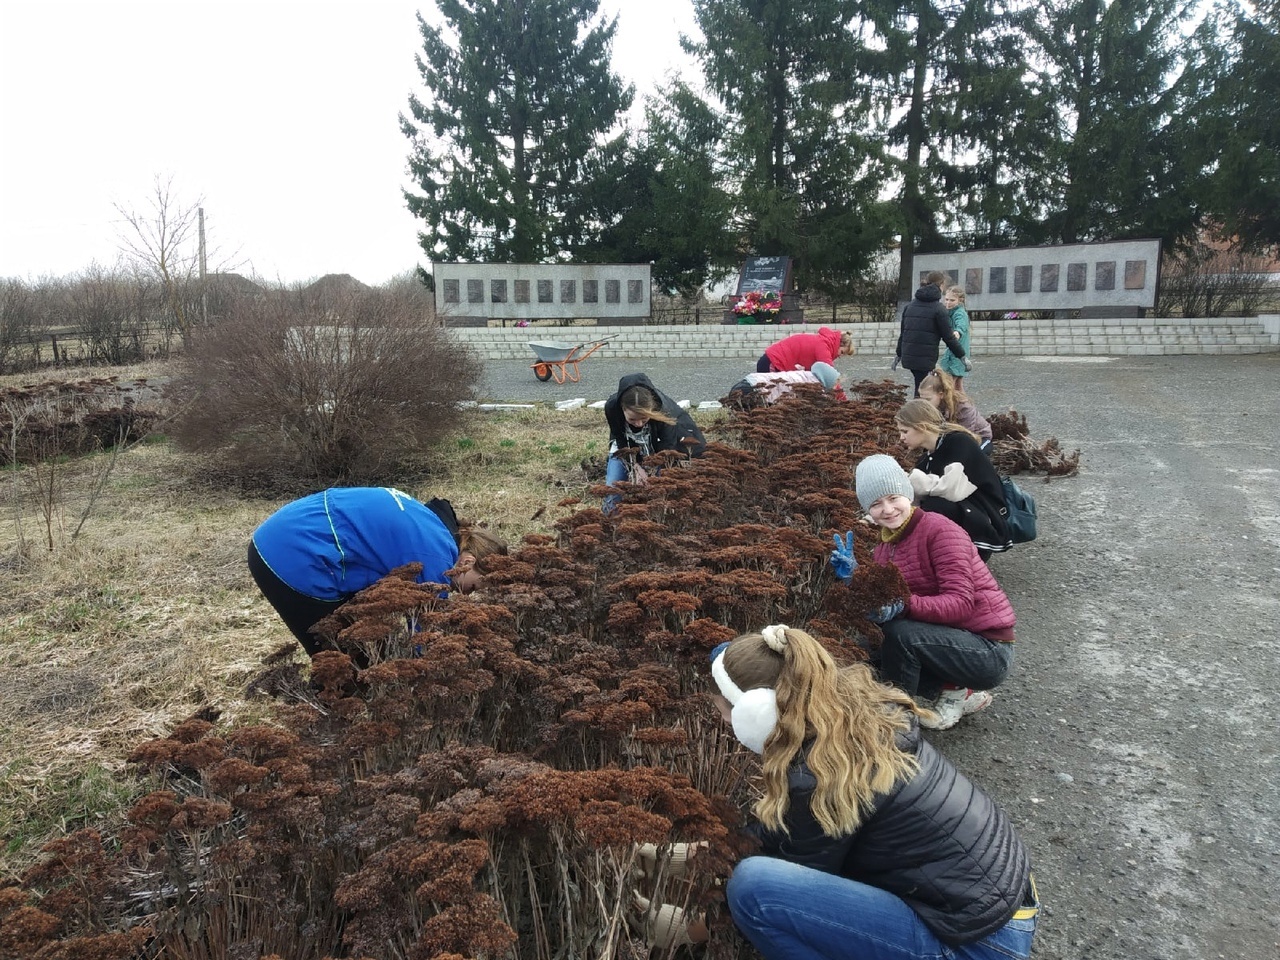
(150, 614)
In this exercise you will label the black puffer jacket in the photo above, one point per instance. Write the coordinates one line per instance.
(666, 436)
(983, 513)
(936, 841)
(925, 321)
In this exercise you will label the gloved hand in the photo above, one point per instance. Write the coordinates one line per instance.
(676, 861)
(968, 364)
(896, 361)
(843, 561)
(665, 925)
(886, 613)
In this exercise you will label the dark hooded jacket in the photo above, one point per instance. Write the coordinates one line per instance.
(983, 513)
(935, 841)
(925, 322)
(666, 436)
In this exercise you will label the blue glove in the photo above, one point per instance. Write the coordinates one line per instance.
(886, 613)
(842, 559)
(968, 364)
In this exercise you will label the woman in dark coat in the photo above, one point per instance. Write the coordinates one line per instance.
(954, 477)
(925, 324)
(874, 845)
(643, 418)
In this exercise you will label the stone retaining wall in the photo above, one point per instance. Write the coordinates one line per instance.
(1115, 337)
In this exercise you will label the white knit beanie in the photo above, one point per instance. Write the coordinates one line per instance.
(879, 475)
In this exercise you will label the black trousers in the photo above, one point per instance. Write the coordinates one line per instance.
(298, 611)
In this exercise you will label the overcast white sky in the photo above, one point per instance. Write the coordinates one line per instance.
(280, 114)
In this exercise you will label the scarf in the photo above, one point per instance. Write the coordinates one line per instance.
(893, 536)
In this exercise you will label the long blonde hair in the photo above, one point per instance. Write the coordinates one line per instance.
(643, 401)
(924, 416)
(944, 385)
(852, 720)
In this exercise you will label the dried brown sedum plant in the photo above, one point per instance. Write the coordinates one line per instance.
(471, 776)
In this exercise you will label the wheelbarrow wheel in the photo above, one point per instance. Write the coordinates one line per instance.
(542, 371)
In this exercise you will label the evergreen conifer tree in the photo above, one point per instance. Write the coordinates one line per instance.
(520, 98)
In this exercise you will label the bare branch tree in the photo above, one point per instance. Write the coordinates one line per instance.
(164, 240)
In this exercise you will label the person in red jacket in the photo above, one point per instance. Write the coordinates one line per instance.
(952, 638)
(801, 351)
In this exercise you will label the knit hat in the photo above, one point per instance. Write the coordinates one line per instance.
(826, 374)
(880, 476)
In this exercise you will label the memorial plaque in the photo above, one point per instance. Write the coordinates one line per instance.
(567, 292)
(1135, 274)
(1096, 277)
(953, 277)
(1077, 274)
(1104, 275)
(764, 274)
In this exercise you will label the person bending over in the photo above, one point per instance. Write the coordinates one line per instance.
(313, 555)
(643, 418)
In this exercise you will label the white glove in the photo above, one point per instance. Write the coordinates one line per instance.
(953, 485)
(968, 364)
(677, 859)
(665, 926)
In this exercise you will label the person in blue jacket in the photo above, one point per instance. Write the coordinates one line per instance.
(312, 555)
(873, 844)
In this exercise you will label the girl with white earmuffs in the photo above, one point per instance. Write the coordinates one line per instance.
(873, 844)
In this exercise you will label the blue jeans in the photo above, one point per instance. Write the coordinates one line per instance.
(614, 470)
(919, 658)
(789, 912)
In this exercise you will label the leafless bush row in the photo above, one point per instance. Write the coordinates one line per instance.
(1209, 280)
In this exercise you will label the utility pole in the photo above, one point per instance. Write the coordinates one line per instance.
(204, 289)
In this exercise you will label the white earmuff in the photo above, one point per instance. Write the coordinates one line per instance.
(755, 712)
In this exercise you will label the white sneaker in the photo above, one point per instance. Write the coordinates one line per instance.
(954, 704)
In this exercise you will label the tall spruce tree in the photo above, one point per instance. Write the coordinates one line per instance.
(807, 171)
(951, 78)
(1240, 52)
(661, 198)
(520, 97)
(1114, 166)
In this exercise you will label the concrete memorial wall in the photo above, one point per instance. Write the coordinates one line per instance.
(539, 291)
(1080, 276)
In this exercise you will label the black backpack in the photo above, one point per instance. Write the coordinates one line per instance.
(1020, 512)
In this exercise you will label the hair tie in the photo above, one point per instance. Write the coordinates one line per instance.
(776, 637)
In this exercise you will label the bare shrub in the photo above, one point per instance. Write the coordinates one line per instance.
(1209, 280)
(18, 312)
(348, 393)
(104, 311)
(876, 294)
